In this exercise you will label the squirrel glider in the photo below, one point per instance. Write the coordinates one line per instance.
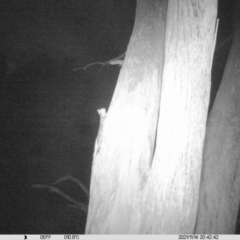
(115, 61)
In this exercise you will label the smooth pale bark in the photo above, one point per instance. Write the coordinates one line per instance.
(220, 184)
(142, 182)
(173, 187)
(121, 163)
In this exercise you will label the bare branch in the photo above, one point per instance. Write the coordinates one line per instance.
(79, 205)
(81, 185)
(115, 61)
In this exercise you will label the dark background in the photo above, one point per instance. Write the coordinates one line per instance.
(48, 113)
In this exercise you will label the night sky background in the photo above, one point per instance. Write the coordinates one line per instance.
(48, 112)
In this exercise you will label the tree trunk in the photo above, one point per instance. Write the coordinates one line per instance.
(125, 145)
(147, 157)
(173, 186)
(220, 184)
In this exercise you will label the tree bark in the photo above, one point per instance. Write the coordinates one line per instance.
(125, 145)
(173, 185)
(220, 184)
(147, 157)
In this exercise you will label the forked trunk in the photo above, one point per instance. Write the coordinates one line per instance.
(147, 157)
